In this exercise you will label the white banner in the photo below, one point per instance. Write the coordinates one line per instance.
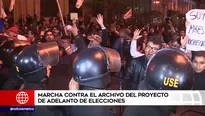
(118, 98)
(195, 29)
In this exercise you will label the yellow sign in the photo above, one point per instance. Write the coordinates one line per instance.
(17, 68)
(171, 82)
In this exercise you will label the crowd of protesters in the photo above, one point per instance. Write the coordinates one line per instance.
(135, 44)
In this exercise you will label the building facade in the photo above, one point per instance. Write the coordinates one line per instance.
(38, 7)
(49, 8)
(181, 6)
(202, 4)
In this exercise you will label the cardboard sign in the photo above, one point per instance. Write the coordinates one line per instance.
(195, 29)
(74, 16)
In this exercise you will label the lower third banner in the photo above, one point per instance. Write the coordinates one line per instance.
(17, 109)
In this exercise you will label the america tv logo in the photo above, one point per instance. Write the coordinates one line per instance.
(22, 97)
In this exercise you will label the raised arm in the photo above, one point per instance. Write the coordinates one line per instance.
(133, 47)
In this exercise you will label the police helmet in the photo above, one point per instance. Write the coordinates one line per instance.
(14, 53)
(6, 49)
(91, 66)
(31, 63)
(169, 69)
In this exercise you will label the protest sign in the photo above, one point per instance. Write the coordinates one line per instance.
(74, 16)
(195, 29)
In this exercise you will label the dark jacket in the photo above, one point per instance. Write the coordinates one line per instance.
(113, 37)
(4, 75)
(89, 110)
(61, 74)
(13, 82)
(105, 36)
(122, 47)
(199, 80)
(135, 73)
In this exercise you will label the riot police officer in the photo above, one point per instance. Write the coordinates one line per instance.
(33, 66)
(92, 68)
(9, 51)
(167, 64)
(34, 62)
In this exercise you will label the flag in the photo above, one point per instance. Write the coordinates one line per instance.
(128, 14)
(2, 12)
(79, 3)
(11, 7)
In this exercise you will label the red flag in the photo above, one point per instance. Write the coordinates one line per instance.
(128, 14)
(11, 7)
(79, 3)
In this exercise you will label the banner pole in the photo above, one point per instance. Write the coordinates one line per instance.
(61, 16)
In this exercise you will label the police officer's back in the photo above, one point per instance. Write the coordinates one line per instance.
(9, 51)
(92, 71)
(33, 66)
(169, 69)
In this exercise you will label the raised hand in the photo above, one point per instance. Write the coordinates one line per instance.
(99, 19)
(73, 29)
(184, 41)
(137, 34)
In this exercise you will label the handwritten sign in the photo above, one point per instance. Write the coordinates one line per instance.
(74, 16)
(195, 29)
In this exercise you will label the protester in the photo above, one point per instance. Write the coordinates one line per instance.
(136, 68)
(198, 60)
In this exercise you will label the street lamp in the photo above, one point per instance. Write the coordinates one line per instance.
(156, 2)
